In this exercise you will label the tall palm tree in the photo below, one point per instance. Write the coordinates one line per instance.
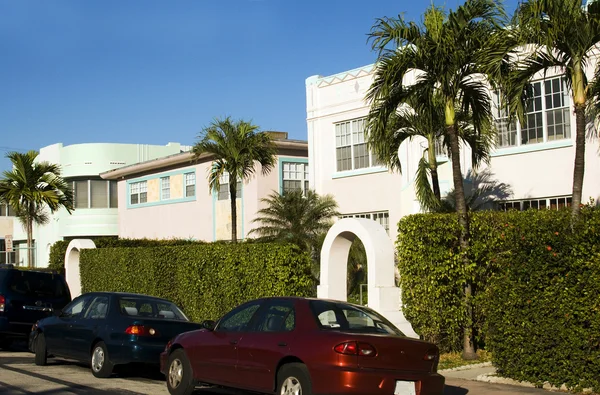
(448, 55)
(296, 218)
(31, 187)
(564, 35)
(237, 147)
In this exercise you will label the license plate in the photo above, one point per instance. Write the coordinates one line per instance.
(405, 388)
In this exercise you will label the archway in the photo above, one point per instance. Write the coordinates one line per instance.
(72, 264)
(384, 296)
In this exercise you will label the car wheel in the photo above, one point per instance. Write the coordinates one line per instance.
(101, 365)
(41, 352)
(180, 378)
(293, 379)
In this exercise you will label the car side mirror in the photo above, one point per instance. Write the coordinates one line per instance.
(209, 325)
(57, 312)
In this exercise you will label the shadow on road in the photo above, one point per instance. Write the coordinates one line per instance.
(452, 390)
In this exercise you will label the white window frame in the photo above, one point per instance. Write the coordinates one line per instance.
(89, 193)
(139, 188)
(352, 134)
(511, 135)
(292, 176)
(165, 188)
(537, 203)
(383, 217)
(223, 191)
(189, 180)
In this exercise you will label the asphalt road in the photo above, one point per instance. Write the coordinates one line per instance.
(20, 376)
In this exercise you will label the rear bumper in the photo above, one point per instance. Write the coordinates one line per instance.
(345, 381)
(10, 329)
(135, 353)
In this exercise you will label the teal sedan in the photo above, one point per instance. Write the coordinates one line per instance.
(106, 329)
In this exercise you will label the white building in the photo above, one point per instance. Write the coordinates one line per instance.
(96, 203)
(536, 161)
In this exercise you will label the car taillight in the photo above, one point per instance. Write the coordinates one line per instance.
(356, 348)
(2, 302)
(431, 355)
(141, 330)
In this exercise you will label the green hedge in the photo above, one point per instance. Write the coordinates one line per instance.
(58, 250)
(537, 290)
(206, 280)
(543, 307)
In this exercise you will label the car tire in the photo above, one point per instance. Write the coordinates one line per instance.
(100, 361)
(179, 374)
(293, 378)
(41, 351)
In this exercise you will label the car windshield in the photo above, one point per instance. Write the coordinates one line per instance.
(150, 308)
(336, 316)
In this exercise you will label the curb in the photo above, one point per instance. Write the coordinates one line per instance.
(492, 378)
(467, 367)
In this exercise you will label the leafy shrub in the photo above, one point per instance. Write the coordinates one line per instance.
(206, 280)
(58, 250)
(543, 308)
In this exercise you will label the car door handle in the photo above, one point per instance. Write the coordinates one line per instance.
(282, 344)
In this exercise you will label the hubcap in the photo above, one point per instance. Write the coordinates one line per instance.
(97, 359)
(175, 373)
(291, 386)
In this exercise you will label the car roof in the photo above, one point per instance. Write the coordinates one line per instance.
(305, 298)
(126, 294)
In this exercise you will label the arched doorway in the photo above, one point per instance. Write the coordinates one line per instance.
(384, 296)
(72, 264)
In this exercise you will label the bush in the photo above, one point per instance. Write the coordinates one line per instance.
(205, 280)
(58, 250)
(543, 307)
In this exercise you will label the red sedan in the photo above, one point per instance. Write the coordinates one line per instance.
(302, 346)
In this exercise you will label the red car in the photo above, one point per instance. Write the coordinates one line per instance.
(302, 346)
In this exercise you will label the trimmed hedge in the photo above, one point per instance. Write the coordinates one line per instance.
(206, 280)
(537, 290)
(58, 250)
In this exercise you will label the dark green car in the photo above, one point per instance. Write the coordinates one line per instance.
(106, 329)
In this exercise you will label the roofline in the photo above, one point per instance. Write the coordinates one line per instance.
(182, 158)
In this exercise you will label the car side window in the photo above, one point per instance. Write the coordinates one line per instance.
(98, 308)
(76, 307)
(278, 317)
(238, 319)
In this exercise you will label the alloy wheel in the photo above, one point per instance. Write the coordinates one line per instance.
(175, 373)
(291, 386)
(98, 359)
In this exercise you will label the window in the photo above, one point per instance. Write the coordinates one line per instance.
(138, 192)
(114, 194)
(150, 308)
(547, 115)
(98, 308)
(238, 319)
(94, 194)
(165, 188)
(76, 307)
(98, 194)
(351, 149)
(440, 148)
(334, 316)
(383, 217)
(295, 177)
(6, 210)
(224, 187)
(279, 317)
(80, 190)
(190, 184)
(553, 203)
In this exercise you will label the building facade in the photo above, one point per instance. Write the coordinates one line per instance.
(170, 197)
(535, 159)
(95, 199)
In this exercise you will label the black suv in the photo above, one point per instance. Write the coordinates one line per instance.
(27, 296)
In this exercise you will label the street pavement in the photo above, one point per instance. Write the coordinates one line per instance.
(20, 376)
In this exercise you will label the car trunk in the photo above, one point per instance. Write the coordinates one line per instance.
(165, 329)
(398, 353)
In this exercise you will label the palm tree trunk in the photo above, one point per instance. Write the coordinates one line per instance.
(435, 179)
(29, 242)
(233, 197)
(463, 220)
(579, 167)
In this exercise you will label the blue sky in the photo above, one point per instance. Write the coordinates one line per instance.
(148, 71)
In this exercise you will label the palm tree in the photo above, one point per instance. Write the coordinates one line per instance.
(296, 218)
(31, 187)
(482, 191)
(564, 35)
(449, 56)
(235, 146)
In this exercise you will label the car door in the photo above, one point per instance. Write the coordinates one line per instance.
(58, 332)
(86, 326)
(264, 345)
(215, 354)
